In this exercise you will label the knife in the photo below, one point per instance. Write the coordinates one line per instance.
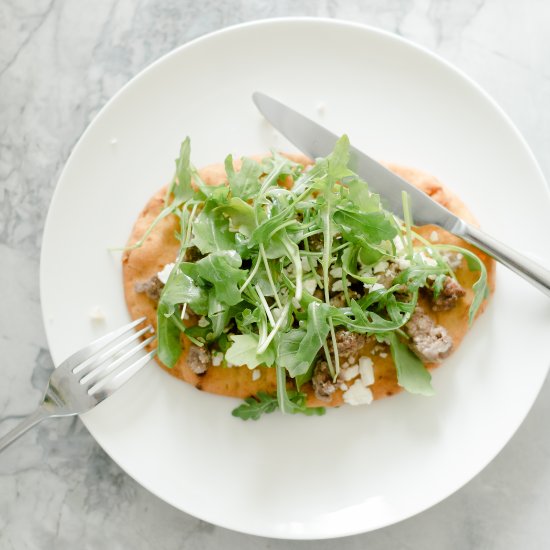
(316, 141)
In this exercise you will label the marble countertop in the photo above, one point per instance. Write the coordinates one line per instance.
(59, 64)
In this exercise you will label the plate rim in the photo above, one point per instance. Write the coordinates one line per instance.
(337, 22)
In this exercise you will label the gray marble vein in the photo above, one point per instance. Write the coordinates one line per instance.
(60, 61)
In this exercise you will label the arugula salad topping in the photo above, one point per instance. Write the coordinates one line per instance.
(281, 258)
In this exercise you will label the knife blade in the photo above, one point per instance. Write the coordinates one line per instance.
(316, 141)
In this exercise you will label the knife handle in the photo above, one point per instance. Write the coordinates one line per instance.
(533, 272)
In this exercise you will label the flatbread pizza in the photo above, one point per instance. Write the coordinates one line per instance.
(284, 282)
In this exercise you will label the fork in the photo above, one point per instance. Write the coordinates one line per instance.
(89, 376)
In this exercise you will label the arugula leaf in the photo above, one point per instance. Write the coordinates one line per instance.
(315, 336)
(287, 348)
(338, 160)
(254, 407)
(181, 289)
(218, 314)
(376, 225)
(365, 321)
(211, 229)
(243, 352)
(302, 379)
(370, 252)
(248, 318)
(408, 223)
(222, 270)
(291, 401)
(370, 256)
(241, 215)
(361, 197)
(412, 375)
(349, 264)
(299, 399)
(262, 280)
(416, 276)
(245, 183)
(275, 168)
(480, 287)
(182, 185)
(263, 403)
(199, 334)
(263, 233)
(168, 334)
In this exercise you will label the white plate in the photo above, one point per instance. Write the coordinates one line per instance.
(355, 469)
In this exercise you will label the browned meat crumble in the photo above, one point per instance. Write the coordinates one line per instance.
(429, 341)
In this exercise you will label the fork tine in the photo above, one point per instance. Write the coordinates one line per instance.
(106, 386)
(87, 353)
(105, 369)
(87, 367)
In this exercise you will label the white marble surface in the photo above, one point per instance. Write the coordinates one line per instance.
(60, 61)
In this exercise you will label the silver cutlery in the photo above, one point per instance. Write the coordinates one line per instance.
(89, 376)
(316, 141)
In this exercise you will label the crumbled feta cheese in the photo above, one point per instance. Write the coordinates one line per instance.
(366, 370)
(97, 314)
(366, 272)
(383, 354)
(165, 273)
(403, 264)
(374, 286)
(337, 286)
(336, 272)
(398, 242)
(434, 237)
(454, 259)
(217, 359)
(380, 267)
(358, 394)
(256, 373)
(306, 268)
(310, 285)
(203, 322)
(350, 373)
(343, 386)
(427, 260)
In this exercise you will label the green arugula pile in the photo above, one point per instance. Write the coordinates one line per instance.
(274, 254)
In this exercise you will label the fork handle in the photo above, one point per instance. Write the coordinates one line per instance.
(32, 420)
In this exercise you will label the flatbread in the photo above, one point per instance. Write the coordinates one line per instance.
(161, 247)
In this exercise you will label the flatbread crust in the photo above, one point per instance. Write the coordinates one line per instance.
(161, 247)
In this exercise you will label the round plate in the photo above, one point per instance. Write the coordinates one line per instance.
(356, 468)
